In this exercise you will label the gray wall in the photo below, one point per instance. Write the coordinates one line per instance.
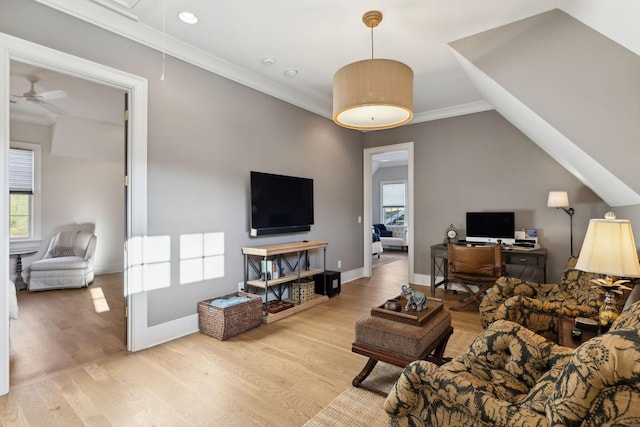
(481, 162)
(579, 81)
(84, 192)
(205, 134)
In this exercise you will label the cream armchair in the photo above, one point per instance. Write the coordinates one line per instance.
(67, 263)
(394, 235)
(13, 301)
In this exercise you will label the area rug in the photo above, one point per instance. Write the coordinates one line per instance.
(388, 257)
(356, 407)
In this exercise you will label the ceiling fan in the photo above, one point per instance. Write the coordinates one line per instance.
(42, 98)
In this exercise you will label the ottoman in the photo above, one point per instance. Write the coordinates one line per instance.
(400, 343)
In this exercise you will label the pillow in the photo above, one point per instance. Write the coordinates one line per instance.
(381, 229)
(60, 251)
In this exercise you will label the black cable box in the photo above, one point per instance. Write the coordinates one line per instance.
(525, 243)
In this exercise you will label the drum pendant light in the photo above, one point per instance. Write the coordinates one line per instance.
(374, 93)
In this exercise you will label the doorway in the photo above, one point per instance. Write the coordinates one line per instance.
(368, 168)
(81, 189)
(12, 48)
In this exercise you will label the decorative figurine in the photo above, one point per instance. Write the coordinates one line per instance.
(393, 305)
(415, 300)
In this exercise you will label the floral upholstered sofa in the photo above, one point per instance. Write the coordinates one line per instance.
(537, 306)
(513, 377)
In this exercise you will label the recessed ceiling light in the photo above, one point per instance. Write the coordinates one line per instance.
(290, 73)
(268, 60)
(188, 17)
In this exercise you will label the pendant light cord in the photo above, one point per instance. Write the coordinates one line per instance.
(164, 35)
(371, 42)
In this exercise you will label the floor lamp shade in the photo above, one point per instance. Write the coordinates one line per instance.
(609, 248)
(558, 199)
(373, 94)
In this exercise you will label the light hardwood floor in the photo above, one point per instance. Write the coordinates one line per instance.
(69, 366)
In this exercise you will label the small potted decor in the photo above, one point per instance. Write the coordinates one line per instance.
(608, 312)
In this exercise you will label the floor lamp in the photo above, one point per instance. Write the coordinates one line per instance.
(560, 200)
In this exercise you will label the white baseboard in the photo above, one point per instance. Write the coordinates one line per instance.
(425, 280)
(169, 331)
(108, 269)
(348, 276)
(187, 325)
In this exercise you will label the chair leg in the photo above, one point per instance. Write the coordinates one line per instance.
(473, 297)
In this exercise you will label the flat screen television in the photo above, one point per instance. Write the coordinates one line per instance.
(490, 227)
(280, 204)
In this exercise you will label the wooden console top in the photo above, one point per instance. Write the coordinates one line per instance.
(283, 248)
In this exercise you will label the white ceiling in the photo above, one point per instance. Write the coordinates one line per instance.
(84, 99)
(390, 158)
(314, 37)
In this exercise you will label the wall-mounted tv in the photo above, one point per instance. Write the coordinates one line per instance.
(280, 204)
(490, 227)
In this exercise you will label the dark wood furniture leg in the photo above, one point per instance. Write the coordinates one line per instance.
(375, 354)
(473, 297)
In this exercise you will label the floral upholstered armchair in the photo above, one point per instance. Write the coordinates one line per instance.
(513, 377)
(537, 306)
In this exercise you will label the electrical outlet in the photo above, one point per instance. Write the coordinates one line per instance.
(359, 219)
(339, 263)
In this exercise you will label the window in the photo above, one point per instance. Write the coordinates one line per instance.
(24, 218)
(394, 200)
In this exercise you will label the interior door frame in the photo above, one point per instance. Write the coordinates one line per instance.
(12, 48)
(368, 196)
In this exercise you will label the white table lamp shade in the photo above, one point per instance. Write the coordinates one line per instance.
(609, 248)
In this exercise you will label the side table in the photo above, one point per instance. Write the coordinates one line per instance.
(19, 282)
(565, 325)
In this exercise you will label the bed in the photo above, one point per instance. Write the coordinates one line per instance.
(376, 245)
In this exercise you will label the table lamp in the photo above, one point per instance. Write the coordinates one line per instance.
(560, 200)
(609, 249)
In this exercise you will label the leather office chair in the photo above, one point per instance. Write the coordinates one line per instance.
(479, 266)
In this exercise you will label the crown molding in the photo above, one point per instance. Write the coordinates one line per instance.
(114, 22)
(108, 15)
(456, 110)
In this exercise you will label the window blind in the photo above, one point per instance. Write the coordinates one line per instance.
(20, 171)
(393, 194)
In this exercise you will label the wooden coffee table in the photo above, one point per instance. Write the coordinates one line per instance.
(399, 344)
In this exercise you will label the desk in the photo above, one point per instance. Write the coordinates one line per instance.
(19, 282)
(521, 264)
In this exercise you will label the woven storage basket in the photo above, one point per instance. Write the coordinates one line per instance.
(303, 291)
(222, 323)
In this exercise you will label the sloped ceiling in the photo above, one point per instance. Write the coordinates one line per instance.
(573, 91)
